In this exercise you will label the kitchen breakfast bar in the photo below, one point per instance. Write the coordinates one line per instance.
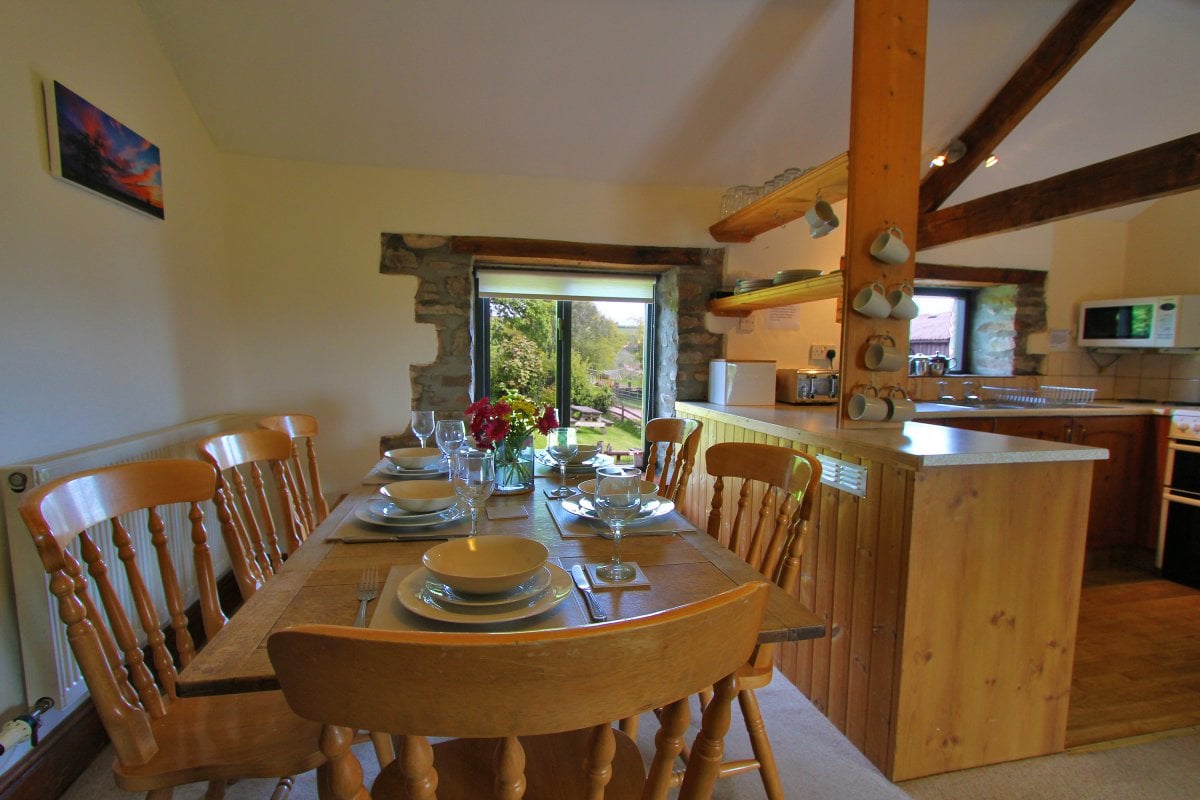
(947, 566)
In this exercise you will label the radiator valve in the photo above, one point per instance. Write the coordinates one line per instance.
(24, 727)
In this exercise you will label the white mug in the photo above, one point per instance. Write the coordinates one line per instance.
(867, 407)
(889, 246)
(871, 301)
(883, 357)
(900, 407)
(821, 219)
(902, 302)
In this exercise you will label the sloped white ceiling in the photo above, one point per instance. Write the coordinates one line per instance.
(684, 92)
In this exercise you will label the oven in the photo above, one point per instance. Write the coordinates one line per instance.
(1179, 528)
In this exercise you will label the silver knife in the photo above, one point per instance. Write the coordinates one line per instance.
(581, 583)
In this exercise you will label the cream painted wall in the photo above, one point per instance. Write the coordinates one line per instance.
(112, 321)
(321, 330)
(1163, 255)
(1088, 263)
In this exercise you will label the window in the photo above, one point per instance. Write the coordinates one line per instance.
(575, 340)
(942, 325)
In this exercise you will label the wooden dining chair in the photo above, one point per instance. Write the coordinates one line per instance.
(555, 689)
(160, 740)
(775, 490)
(258, 526)
(307, 477)
(671, 453)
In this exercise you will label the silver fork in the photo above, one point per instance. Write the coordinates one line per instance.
(368, 589)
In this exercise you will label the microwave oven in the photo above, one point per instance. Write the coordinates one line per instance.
(1155, 322)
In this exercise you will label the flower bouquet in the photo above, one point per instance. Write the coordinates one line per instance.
(506, 427)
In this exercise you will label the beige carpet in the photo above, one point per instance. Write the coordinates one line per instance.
(818, 763)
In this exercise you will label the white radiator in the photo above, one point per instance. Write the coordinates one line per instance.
(50, 669)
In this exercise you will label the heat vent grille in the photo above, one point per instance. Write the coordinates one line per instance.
(843, 475)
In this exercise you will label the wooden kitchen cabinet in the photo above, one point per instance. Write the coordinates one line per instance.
(1123, 487)
(985, 424)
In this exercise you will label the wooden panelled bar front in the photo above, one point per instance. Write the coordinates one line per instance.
(950, 591)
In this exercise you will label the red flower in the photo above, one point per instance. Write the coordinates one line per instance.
(547, 421)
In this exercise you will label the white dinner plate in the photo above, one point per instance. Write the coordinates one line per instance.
(445, 596)
(365, 513)
(412, 595)
(386, 510)
(391, 470)
(598, 460)
(581, 506)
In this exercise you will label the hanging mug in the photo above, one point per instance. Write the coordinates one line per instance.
(870, 407)
(902, 302)
(881, 354)
(872, 302)
(821, 219)
(889, 246)
(900, 406)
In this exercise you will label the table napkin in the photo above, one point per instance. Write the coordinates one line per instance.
(573, 527)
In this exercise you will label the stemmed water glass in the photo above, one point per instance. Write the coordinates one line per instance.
(474, 476)
(618, 499)
(450, 435)
(422, 425)
(562, 445)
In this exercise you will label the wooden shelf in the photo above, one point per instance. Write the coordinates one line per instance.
(823, 287)
(787, 203)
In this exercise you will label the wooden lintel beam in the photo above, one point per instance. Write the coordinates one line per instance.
(990, 275)
(1066, 43)
(1158, 171)
(575, 253)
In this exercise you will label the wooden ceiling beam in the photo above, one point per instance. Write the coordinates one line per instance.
(1158, 171)
(1066, 43)
(545, 251)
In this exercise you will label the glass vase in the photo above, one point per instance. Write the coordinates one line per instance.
(514, 467)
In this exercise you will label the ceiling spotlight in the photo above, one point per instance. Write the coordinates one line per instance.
(953, 152)
(992, 160)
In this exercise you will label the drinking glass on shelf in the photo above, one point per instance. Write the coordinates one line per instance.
(450, 435)
(474, 476)
(422, 425)
(618, 500)
(562, 445)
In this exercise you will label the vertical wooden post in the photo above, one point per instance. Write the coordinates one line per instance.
(887, 95)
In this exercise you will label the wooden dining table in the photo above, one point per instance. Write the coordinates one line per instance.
(319, 581)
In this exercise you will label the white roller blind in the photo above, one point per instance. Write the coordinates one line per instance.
(546, 285)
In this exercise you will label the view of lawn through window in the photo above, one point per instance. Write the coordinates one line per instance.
(607, 363)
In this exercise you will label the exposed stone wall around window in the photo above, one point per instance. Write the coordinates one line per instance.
(1002, 319)
(444, 299)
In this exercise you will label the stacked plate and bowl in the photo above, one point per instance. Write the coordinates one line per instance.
(412, 505)
(484, 579)
(413, 462)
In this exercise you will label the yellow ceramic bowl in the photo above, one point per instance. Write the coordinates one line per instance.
(421, 497)
(485, 564)
(414, 457)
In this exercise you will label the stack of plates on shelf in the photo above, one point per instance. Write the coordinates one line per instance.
(789, 275)
(589, 465)
(750, 284)
(392, 471)
(427, 597)
(385, 513)
(582, 505)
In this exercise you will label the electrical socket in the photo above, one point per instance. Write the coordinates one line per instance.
(819, 352)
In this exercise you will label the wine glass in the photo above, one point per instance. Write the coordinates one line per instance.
(450, 435)
(422, 425)
(618, 499)
(474, 476)
(562, 446)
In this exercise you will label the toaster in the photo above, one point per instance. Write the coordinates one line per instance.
(806, 386)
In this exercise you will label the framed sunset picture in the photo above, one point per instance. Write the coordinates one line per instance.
(90, 148)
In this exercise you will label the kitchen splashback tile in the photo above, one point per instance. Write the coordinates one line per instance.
(1185, 367)
(1156, 365)
(1184, 391)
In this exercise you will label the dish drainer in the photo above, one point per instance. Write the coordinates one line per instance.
(1041, 396)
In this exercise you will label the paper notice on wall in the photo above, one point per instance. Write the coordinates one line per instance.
(783, 318)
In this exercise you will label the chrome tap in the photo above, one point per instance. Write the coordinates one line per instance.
(969, 395)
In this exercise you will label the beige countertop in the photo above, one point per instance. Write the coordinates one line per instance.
(1101, 409)
(916, 444)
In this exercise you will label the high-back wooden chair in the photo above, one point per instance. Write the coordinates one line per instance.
(762, 518)
(306, 477)
(557, 690)
(258, 526)
(160, 740)
(671, 454)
